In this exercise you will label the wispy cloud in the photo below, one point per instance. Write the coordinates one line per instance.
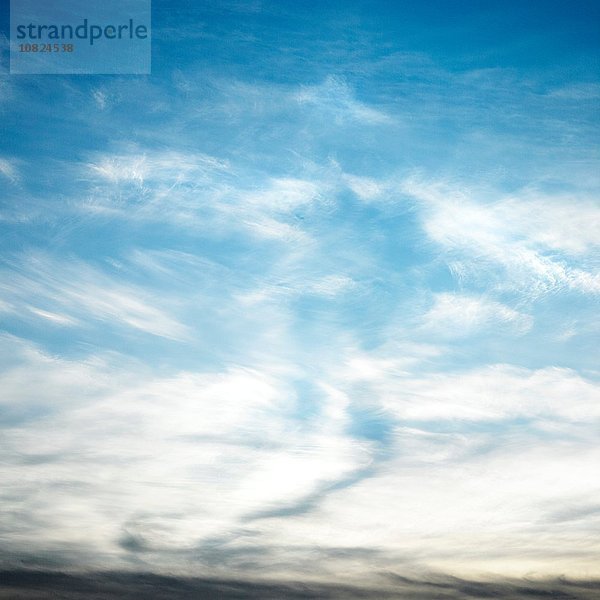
(230, 459)
(365, 188)
(9, 170)
(539, 245)
(196, 191)
(227, 435)
(493, 393)
(69, 291)
(335, 98)
(166, 167)
(458, 315)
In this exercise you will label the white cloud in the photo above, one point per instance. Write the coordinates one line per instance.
(9, 170)
(5, 307)
(470, 514)
(399, 380)
(284, 195)
(563, 223)
(118, 168)
(71, 291)
(335, 97)
(53, 317)
(331, 285)
(184, 458)
(459, 315)
(492, 393)
(576, 92)
(521, 236)
(327, 286)
(460, 498)
(199, 192)
(387, 363)
(271, 229)
(366, 188)
(163, 167)
(117, 458)
(100, 98)
(33, 378)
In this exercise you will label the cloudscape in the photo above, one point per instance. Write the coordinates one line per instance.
(310, 311)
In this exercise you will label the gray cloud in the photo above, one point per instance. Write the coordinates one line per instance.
(42, 585)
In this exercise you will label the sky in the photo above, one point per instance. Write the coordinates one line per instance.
(317, 300)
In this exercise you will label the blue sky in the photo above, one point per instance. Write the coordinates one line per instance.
(318, 297)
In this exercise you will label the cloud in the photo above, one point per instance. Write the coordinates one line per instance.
(53, 317)
(366, 188)
(464, 504)
(540, 245)
(167, 167)
(198, 192)
(303, 284)
(185, 457)
(71, 291)
(334, 97)
(100, 99)
(460, 315)
(40, 584)
(331, 285)
(229, 463)
(491, 393)
(285, 195)
(9, 170)
(576, 92)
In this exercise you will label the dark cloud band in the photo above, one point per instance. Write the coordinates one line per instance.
(42, 585)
